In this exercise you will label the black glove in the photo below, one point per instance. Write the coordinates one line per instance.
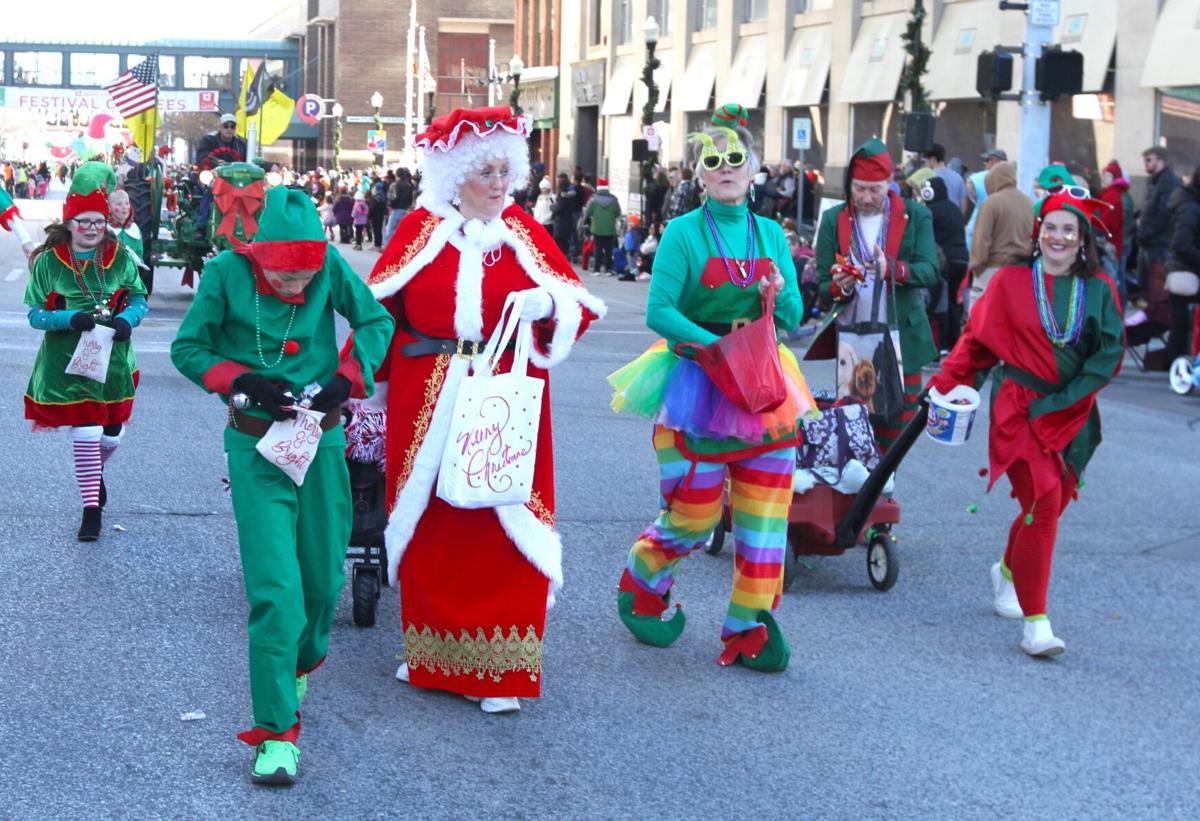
(266, 394)
(335, 392)
(81, 321)
(122, 330)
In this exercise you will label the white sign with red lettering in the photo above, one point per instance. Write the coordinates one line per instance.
(96, 101)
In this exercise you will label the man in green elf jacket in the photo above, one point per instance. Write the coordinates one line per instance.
(888, 240)
(261, 335)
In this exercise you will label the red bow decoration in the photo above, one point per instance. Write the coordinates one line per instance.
(234, 202)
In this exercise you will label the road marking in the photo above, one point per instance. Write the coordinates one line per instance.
(14, 274)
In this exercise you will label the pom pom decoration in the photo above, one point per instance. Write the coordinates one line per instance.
(983, 472)
(291, 347)
(972, 508)
(731, 114)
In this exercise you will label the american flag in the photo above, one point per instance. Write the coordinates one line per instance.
(136, 90)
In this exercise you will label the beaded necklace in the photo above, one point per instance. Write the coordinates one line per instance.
(741, 277)
(258, 333)
(1061, 338)
(865, 254)
(99, 300)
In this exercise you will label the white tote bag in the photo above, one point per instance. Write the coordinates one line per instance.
(92, 354)
(291, 444)
(492, 445)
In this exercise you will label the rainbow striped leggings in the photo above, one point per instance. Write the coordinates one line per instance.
(691, 497)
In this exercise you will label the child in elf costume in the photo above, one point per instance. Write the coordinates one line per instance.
(260, 334)
(81, 277)
(120, 217)
(10, 220)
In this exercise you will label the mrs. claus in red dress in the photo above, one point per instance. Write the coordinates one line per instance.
(474, 584)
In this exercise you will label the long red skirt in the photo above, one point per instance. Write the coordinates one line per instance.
(472, 607)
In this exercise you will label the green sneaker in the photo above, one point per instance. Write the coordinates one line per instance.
(275, 764)
(301, 689)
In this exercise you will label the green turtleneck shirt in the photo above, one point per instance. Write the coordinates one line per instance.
(678, 297)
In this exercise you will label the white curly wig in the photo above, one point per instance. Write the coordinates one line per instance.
(443, 172)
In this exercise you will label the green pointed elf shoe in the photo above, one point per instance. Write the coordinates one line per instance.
(301, 689)
(275, 764)
(763, 649)
(642, 614)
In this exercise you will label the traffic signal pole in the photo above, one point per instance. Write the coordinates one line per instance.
(1034, 154)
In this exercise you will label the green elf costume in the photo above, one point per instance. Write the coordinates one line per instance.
(10, 220)
(258, 341)
(904, 232)
(72, 288)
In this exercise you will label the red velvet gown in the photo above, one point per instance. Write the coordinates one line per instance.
(474, 584)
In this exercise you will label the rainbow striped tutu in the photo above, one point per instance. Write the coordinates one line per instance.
(676, 392)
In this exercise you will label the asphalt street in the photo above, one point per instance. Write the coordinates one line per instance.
(916, 703)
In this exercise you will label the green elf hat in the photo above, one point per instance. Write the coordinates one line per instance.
(290, 236)
(731, 115)
(90, 187)
(1054, 177)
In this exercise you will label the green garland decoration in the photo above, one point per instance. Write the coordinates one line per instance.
(917, 63)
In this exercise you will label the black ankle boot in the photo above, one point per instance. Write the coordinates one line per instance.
(103, 494)
(89, 529)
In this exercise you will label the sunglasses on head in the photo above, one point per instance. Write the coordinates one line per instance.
(734, 159)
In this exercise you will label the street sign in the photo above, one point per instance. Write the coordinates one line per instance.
(801, 133)
(376, 141)
(361, 120)
(1044, 13)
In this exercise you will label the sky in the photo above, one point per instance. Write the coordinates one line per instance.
(138, 20)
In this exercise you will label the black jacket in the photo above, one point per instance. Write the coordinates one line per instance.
(213, 150)
(1185, 232)
(948, 229)
(1154, 224)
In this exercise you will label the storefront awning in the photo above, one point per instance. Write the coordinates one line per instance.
(662, 79)
(806, 66)
(744, 83)
(1090, 26)
(966, 30)
(698, 78)
(1171, 58)
(620, 86)
(873, 70)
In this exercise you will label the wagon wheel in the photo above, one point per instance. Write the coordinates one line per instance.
(716, 540)
(791, 564)
(365, 590)
(1181, 375)
(883, 565)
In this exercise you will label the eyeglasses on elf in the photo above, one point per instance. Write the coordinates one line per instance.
(734, 159)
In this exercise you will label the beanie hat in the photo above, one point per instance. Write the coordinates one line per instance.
(545, 184)
(1114, 168)
(602, 182)
(90, 187)
(871, 162)
(918, 178)
(290, 236)
(730, 115)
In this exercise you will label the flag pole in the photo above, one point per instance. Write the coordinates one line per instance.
(262, 100)
(421, 77)
(408, 84)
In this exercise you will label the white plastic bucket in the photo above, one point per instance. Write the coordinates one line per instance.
(951, 415)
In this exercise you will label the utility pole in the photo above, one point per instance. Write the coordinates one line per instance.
(1041, 16)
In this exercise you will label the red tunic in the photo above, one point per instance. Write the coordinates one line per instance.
(474, 584)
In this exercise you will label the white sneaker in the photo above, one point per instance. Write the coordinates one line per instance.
(1040, 641)
(402, 672)
(499, 705)
(1005, 603)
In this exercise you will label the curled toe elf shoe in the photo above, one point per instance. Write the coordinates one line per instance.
(275, 763)
(301, 688)
(1005, 595)
(642, 612)
(1039, 640)
(89, 528)
(763, 649)
(499, 705)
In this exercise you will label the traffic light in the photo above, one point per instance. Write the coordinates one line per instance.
(1059, 73)
(994, 73)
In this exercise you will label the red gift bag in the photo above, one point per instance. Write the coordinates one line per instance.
(744, 364)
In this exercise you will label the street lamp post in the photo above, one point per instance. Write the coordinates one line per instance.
(515, 66)
(651, 31)
(377, 103)
(337, 135)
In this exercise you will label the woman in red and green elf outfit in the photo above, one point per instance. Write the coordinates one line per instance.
(262, 327)
(81, 277)
(1052, 334)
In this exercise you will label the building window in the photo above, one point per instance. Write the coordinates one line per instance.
(661, 10)
(594, 22)
(801, 6)
(37, 68)
(706, 14)
(166, 67)
(755, 10)
(206, 72)
(624, 21)
(94, 69)
(462, 71)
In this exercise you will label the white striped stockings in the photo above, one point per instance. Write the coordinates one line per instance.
(85, 441)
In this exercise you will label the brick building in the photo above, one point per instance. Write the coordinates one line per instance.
(351, 49)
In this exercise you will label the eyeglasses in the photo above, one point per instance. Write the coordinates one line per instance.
(487, 175)
(734, 159)
(1069, 234)
(90, 225)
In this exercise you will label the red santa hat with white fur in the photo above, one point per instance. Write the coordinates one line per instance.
(457, 144)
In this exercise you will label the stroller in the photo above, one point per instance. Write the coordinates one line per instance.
(839, 500)
(365, 433)
(1185, 370)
